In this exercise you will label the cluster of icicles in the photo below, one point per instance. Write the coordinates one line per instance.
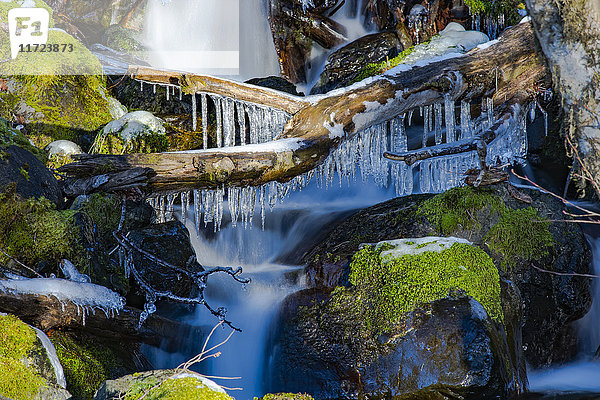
(489, 24)
(363, 155)
(237, 122)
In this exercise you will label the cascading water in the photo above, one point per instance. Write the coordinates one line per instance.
(178, 34)
(289, 229)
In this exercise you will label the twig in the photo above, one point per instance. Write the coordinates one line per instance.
(20, 263)
(565, 273)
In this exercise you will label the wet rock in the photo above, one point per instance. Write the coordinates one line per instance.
(175, 385)
(31, 177)
(447, 347)
(344, 65)
(277, 83)
(122, 39)
(550, 303)
(170, 242)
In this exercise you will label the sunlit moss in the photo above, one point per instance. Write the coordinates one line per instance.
(33, 230)
(285, 396)
(385, 290)
(17, 380)
(184, 388)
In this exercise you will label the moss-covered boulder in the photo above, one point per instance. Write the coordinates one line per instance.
(37, 234)
(135, 132)
(162, 385)
(421, 317)
(514, 233)
(26, 368)
(88, 361)
(59, 94)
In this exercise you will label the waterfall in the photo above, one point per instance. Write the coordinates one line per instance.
(210, 36)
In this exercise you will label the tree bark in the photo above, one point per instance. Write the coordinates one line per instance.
(569, 34)
(324, 121)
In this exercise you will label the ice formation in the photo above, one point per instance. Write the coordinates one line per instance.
(361, 155)
(72, 273)
(88, 297)
(415, 246)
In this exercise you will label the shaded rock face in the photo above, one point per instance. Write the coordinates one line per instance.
(171, 243)
(277, 83)
(345, 64)
(449, 347)
(32, 178)
(550, 303)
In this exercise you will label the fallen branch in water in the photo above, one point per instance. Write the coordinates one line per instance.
(565, 273)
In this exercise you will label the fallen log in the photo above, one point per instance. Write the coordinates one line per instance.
(504, 70)
(190, 83)
(48, 313)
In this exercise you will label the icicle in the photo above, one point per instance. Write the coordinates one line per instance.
(242, 122)
(217, 101)
(450, 119)
(426, 123)
(154, 88)
(228, 122)
(197, 208)
(490, 111)
(532, 111)
(169, 213)
(425, 176)
(180, 94)
(233, 200)
(437, 108)
(204, 105)
(262, 200)
(410, 115)
(168, 92)
(208, 203)
(219, 194)
(183, 207)
(195, 114)
(465, 120)
(141, 86)
(254, 123)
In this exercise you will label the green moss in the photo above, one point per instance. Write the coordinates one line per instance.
(24, 172)
(373, 69)
(457, 208)
(285, 396)
(7, 6)
(520, 234)
(33, 231)
(86, 363)
(17, 380)
(186, 388)
(58, 95)
(388, 289)
(9, 136)
(105, 212)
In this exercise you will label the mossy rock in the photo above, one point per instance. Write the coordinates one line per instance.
(26, 372)
(135, 132)
(36, 233)
(56, 95)
(162, 385)
(6, 6)
(89, 361)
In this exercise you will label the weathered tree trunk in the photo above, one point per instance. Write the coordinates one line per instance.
(324, 121)
(569, 34)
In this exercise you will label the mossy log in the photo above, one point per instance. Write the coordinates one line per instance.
(506, 70)
(49, 313)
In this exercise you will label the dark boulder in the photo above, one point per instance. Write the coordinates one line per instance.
(550, 303)
(447, 348)
(277, 83)
(344, 65)
(170, 242)
(30, 175)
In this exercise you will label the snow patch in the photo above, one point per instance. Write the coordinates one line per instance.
(207, 382)
(415, 246)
